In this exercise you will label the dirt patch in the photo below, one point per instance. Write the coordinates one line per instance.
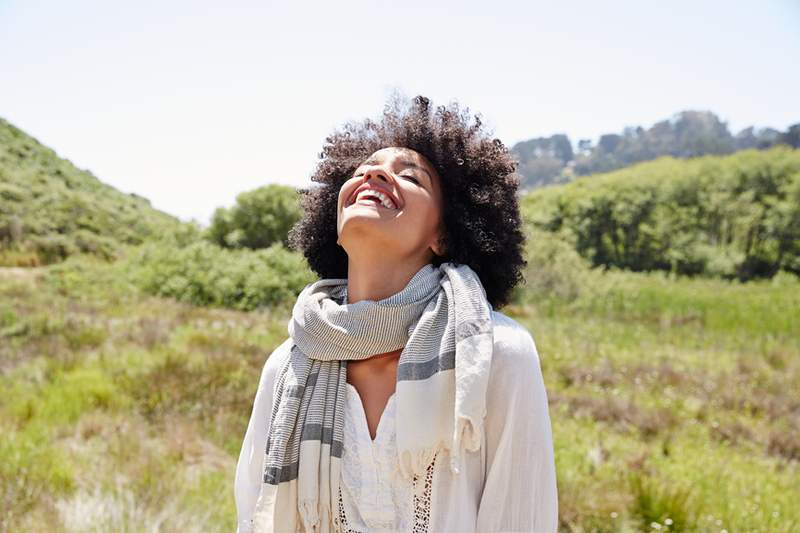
(22, 273)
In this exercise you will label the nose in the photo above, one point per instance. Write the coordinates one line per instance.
(376, 173)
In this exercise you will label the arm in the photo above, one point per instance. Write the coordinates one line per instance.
(251, 457)
(519, 493)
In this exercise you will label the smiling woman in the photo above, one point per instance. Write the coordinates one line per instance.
(402, 400)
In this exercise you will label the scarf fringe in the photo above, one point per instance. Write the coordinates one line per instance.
(309, 515)
(315, 517)
(468, 437)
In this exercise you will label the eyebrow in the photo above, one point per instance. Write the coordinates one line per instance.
(374, 160)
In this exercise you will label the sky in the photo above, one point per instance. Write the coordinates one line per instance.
(189, 103)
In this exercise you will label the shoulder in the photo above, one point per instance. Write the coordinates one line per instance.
(274, 363)
(514, 347)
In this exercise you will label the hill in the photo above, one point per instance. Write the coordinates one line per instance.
(735, 216)
(550, 160)
(50, 209)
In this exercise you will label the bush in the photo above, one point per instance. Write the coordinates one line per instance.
(202, 273)
(260, 218)
(554, 268)
(53, 248)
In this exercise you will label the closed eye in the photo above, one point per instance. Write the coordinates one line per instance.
(402, 176)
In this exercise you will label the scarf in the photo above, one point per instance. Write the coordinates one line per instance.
(441, 319)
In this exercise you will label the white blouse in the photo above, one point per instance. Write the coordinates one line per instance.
(373, 496)
(508, 485)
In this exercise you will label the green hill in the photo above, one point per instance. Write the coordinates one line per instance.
(50, 209)
(735, 216)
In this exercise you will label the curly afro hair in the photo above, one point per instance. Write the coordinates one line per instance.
(481, 218)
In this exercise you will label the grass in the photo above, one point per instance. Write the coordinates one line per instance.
(673, 402)
(673, 399)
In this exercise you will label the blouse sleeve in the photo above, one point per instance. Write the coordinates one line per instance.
(247, 483)
(519, 493)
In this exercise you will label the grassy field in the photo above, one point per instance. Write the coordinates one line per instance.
(674, 402)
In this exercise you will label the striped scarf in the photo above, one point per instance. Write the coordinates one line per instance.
(442, 319)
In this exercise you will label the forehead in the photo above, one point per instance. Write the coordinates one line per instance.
(399, 155)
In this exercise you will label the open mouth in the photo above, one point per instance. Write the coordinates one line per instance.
(370, 201)
(373, 198)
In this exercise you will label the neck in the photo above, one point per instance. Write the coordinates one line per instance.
(378, 277)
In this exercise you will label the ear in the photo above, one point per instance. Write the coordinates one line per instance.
(438, 246)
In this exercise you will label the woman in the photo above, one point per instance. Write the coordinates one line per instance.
(402, 400)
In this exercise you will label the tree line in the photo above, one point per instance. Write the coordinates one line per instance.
(551, 160)
(735, 216)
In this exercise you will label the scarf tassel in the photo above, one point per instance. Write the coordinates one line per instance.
(312, 517)
(468, 437)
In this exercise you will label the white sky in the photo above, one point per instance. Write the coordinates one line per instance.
(189, 103)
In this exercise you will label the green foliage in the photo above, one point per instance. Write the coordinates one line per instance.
(554, 269)
(736, 216)
(31, 468)
(120, 411)
(90, 279)
(49, 209)
(670, 508)
(206, 274)
(260, 218)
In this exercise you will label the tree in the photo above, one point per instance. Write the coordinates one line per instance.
(792, 136)
(260, 218)
(542, 160)
(700, 132)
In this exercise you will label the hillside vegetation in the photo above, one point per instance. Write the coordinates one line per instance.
(735, 216)
(50, 209)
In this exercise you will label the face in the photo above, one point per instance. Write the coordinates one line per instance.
(405, 218)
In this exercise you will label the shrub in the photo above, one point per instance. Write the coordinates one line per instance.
(554, 268)
(260, 218)
(54, 247)
(202, 273)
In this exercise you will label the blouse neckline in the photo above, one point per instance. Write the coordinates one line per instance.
(381, 431)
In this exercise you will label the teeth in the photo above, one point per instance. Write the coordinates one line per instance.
(385, 200)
